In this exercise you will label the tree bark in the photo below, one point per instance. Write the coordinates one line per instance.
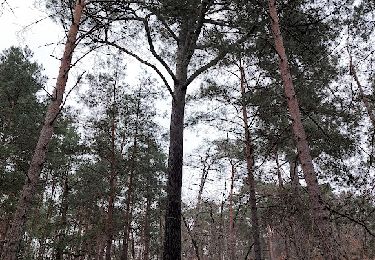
(172, 243)
(249, 155)
(319, 212)
(17, 228)
(172, 240)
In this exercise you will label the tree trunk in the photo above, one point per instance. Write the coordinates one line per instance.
(129, 200)
(172, 242)
(232, 242)
(249, 155)
(63, 221)
(112, 182)
(362, 94)
(146, 225)
(17, 228)
(293, 171)
(319, 212)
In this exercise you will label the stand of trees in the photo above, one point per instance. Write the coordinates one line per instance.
(284, 89)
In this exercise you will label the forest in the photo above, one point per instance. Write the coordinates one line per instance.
(192, 129)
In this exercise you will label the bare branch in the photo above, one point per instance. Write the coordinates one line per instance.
(113, 44)
(152, 49)
(219, 57)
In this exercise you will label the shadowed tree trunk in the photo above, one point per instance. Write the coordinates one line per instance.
(17, 228)
(319, 213)
(249, 155)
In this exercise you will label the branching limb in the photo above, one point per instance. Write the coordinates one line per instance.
(113, 44)
(152, 49)
(218, 58)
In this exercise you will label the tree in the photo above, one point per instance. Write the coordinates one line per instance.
(16, 230)
(20, 113)
(320, 214)
(182, 25)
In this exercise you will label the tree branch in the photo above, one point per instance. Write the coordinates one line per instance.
(113, 44)
(219, 57)
(152, 49)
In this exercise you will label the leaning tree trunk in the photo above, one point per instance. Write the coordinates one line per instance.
(319, 212)
(17, 228)
(249, 155)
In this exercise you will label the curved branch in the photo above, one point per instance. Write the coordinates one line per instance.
(166, 26)
(152, 49)
(113, 44)
(219, 57)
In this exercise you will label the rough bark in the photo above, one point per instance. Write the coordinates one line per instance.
(17, 228)
(172, 240)
(172, 243)
(319, 212)
(249, 155)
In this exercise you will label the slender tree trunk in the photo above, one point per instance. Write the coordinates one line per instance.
(319, 212)
(17, 228)
(146, 225)
(112, 182)
(249, 155)
(363, 97)
(232, 242)
(221, 244)
(294, 176)
(129, 200)
(63, 221)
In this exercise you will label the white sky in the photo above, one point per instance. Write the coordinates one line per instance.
(17, 28)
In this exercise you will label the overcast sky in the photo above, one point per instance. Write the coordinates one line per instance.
(23, 23)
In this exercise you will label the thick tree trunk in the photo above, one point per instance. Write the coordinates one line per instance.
(249, 155)
(17, 228)
(320, 214)
(172, 243)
